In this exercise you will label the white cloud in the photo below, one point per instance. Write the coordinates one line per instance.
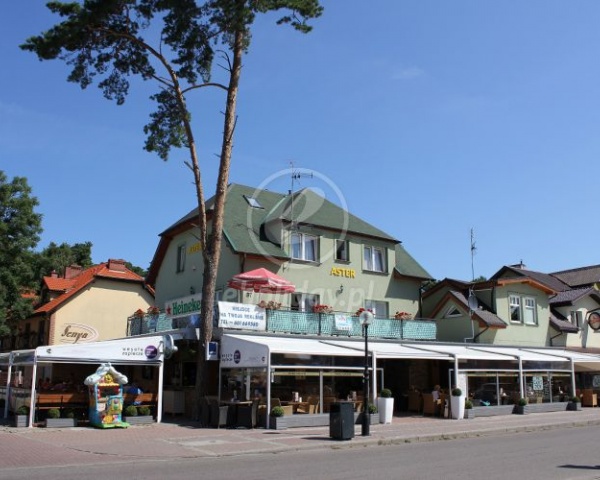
(407, 73)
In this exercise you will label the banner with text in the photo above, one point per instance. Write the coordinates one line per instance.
(242, 316)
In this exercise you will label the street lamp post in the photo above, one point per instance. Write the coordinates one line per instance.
(366, 318)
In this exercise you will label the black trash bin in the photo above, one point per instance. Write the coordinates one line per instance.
(341, 420)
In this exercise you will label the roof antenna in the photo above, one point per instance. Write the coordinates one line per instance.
(473, 250)
(472, 300)
(296, 175)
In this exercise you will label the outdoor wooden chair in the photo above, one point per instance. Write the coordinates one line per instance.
(589, 398)
(429, 404)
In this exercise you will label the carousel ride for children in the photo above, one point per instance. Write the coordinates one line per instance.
(106, 397)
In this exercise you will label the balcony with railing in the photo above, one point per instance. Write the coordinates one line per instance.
(294, 322)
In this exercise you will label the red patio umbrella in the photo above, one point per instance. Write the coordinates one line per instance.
(261, 280)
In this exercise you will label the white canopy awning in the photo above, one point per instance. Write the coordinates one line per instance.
(526, 355)
(462, 352)
(392, 350)
(254, 351)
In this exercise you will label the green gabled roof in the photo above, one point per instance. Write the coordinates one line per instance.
(243, 224)
(407, 266)
(308, 207)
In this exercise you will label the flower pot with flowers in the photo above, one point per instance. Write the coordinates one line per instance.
(153, 310)
(403, 316)
(322, 308)
(270, 305)
(361, 310)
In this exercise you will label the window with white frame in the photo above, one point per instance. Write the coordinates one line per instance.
(379, 308)
(523, 309)
(341, 250)
(180, 258)
(374, 259)
(529, 311)
(304, 247)
(514, 302)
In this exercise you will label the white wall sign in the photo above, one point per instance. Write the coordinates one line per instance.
(242, 316)
(343, 322)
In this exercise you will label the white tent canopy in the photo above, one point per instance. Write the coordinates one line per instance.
(139, 350)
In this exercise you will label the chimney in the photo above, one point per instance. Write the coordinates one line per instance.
(520, 266)
(72, 271)
(116, 265)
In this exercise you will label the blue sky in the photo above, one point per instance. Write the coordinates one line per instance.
(427, 118)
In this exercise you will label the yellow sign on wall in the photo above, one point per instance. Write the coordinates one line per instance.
(195, 247)
(343, 272)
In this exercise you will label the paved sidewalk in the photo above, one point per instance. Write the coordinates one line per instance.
(38, 447)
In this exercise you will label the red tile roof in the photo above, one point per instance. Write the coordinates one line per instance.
(74, 285)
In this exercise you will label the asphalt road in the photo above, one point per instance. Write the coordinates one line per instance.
(569, 453)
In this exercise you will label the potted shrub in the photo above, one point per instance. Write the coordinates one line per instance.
(457, 403)
(54, 420)
(520, 406)
(373, 413)
(385, 405)
(574, 404)
(469, 412)
(277, 420)
(21, 416)
(129, 414)
(142, 415)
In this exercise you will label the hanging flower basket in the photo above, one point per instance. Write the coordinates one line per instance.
(322, 308)
(270, 305)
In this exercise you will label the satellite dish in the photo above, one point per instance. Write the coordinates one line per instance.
(473, 304)
(169, 346)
